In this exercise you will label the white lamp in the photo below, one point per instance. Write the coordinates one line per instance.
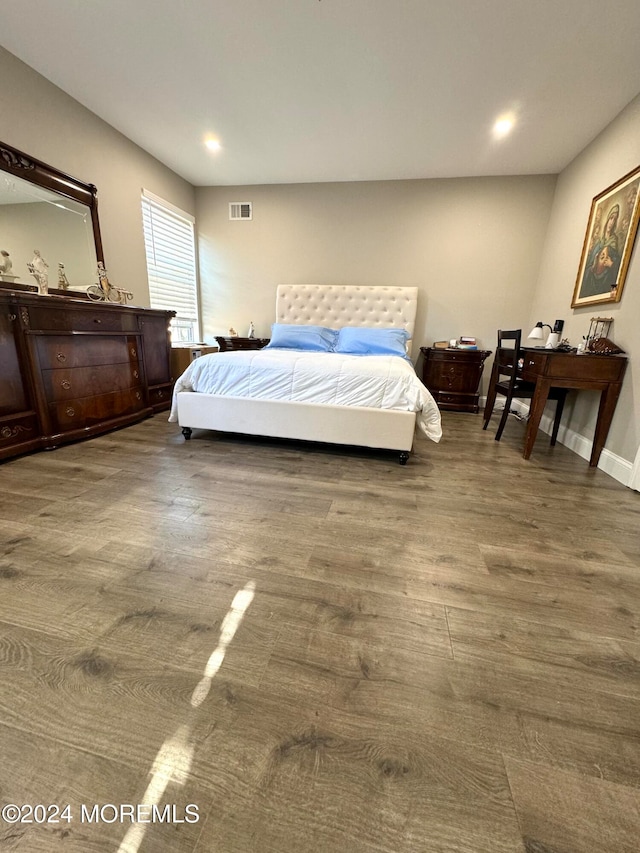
(537, 333)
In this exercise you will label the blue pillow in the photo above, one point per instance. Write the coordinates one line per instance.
(357, 340)
(309, 338)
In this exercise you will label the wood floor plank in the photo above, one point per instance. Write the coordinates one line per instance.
(561, 811)
(46, 772)
(611, 664)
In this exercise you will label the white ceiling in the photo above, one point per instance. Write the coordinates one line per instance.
(339, 90)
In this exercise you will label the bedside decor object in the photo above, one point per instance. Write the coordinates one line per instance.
(608, 243)
(453, 377)
(252, 330)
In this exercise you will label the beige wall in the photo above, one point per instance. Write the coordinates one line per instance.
(41, 120)
(614, 153)
(472, 246)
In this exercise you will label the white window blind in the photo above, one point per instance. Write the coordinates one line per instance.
(169, 240)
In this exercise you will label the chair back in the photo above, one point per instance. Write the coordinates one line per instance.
(507, 356)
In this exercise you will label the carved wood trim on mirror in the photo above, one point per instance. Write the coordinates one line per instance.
(34, 171)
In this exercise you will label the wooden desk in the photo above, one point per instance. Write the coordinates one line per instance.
(549, 368)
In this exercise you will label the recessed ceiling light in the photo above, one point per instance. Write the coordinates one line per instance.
(213, 144)
(503, 126)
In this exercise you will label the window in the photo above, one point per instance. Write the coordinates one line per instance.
(169, 239)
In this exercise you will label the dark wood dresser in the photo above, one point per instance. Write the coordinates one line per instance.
(71, 368)
(453, 377)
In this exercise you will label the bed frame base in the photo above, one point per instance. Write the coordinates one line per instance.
(354, 425)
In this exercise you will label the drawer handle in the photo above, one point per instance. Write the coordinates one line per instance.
(137, 395)
(61, 356)
(133, 352)
(70, 412)
(65, 384)
(97, 320)
(135, 374)
(12, 317)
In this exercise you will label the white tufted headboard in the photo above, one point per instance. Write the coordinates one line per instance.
(338, 305)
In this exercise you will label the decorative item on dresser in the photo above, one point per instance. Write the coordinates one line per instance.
(235, 343)
(72, 369)
(453, 377)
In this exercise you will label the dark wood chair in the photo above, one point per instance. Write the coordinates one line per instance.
(505, 381)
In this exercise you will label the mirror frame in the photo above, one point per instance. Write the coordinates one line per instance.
(21, 165)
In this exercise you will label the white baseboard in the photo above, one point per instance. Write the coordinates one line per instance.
(612, 464)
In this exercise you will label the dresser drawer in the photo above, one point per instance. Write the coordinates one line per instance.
(21, 431)
(160, 397)
(81, 319)
(75, 351)
(80, 414)
(70, 383)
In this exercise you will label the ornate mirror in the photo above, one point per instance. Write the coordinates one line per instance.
(43, 209)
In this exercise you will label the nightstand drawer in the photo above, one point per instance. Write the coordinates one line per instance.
(456, 402)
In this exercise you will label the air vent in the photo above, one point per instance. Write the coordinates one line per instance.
(240, 210)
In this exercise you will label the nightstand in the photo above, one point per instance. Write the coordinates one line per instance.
(453, 377)
(230, 344)
(182, 356)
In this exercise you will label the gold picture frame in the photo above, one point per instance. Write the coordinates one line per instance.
(608, 243)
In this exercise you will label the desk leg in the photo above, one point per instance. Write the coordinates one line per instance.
(608, 400)
(538, 402)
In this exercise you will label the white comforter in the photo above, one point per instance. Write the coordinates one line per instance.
(376, 381)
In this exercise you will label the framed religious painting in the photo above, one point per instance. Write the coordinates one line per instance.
(608, 243)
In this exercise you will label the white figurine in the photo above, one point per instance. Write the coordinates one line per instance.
(102, 278)
(252, 330)
(38, 269)
(233, 333)
(5, 263)
(63, 281)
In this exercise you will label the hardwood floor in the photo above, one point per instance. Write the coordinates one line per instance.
(321, 650)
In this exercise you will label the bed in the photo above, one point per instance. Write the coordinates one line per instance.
(324, 399)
